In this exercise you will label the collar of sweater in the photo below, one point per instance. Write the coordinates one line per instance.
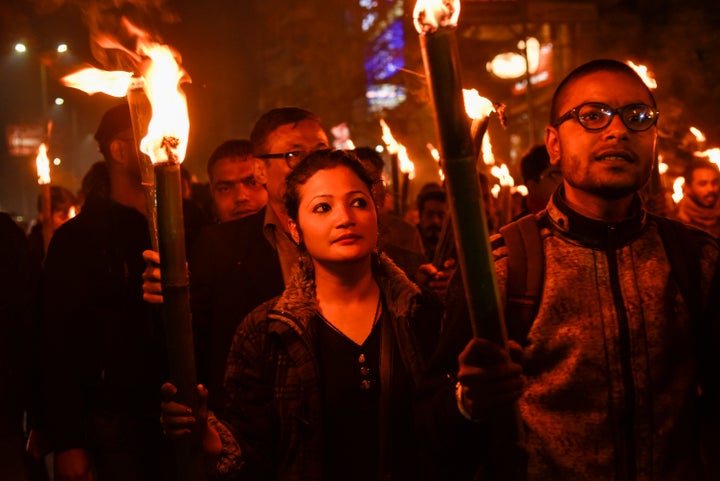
(594, 233)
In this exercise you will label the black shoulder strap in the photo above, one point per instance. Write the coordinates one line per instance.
(682, 249)
(525, 269)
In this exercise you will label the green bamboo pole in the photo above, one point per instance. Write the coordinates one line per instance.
(442, 71)
(176, 309)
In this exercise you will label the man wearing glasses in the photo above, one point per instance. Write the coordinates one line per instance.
(615, 377)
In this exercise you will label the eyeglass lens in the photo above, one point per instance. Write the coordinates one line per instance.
(597, 116)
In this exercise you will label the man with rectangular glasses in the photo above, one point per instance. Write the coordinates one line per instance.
(614, 376)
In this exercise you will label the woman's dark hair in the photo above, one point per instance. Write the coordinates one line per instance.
(316, 161)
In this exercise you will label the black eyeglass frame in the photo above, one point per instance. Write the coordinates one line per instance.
(575, 113)
(288, 156)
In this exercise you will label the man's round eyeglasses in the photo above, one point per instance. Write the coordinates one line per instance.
(292, 159)
(596, 116)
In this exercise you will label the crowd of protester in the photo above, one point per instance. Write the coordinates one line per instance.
(333, 339)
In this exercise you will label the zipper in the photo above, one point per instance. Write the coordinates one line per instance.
(626, 467)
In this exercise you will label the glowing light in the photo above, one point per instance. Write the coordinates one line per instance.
(396, 148)
(486, 149)
(477, 107)
(20, 48)
(713, 155)
(42, 164)
(57, 161)
(92, 80)
(430, 15)
(62, 48)
(699, 136)
(643, 72)
(678, 189)
(503, 175)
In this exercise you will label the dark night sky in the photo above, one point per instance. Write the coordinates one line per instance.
(236, 52)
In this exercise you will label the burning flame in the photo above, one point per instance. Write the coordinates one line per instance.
(678, 189)
(42, 163)
(713, 155)
(503, 175)
(430, 15)
(643, 72)
(699, 136)
(396, 148)
(392, 145)
(486, 148)
(436, 156)
(92, 80)
(72, 212)
(477, 107)
(522, 190)
(169, 127)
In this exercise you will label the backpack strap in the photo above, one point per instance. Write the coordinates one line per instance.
(682, 247)
(525, 269)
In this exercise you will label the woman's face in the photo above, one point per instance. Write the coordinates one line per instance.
(337, 219)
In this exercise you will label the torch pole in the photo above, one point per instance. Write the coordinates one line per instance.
(405, 193)
(442, 71)
(176, 309)
(395, 173)
(47, 225)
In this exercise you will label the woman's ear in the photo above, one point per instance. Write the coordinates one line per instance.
(294, 231)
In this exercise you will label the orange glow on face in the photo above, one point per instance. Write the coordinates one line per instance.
(42, 164)
(645, 74)
(430, 15)
(92, 80)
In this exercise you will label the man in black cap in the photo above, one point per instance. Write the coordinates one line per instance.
(105, 353)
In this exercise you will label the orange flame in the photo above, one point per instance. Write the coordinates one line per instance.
(170, 125)
(699, 136)
(93, 80)
(486, 148)
(503, 175)
(42, 164)
(431, 15)
(436, 156)
(643, 72)
(477, 107)
(678, 189)
(396, 148)
(713, 155)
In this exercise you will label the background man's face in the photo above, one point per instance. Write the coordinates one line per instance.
(431, 219)
(305, 136)
(235, 189)
(705, 187)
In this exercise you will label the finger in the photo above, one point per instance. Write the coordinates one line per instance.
(151, 256)
(168, 390)
(483, 353)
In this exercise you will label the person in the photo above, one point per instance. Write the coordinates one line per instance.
(432, 210)
(104, 350)
(17, 286)
(540, 177)
(614, 377)
(237, 265)
(320, 380)
(63, 206)
(699, 205)
(237, 190)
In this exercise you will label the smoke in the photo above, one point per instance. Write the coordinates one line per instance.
(114, 27)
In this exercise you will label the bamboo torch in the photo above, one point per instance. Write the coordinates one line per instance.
(165, 144)
(435, 23)
(42, 164)
(396, 150)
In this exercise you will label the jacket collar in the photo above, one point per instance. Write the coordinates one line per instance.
(590, 232)
(298, 303)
